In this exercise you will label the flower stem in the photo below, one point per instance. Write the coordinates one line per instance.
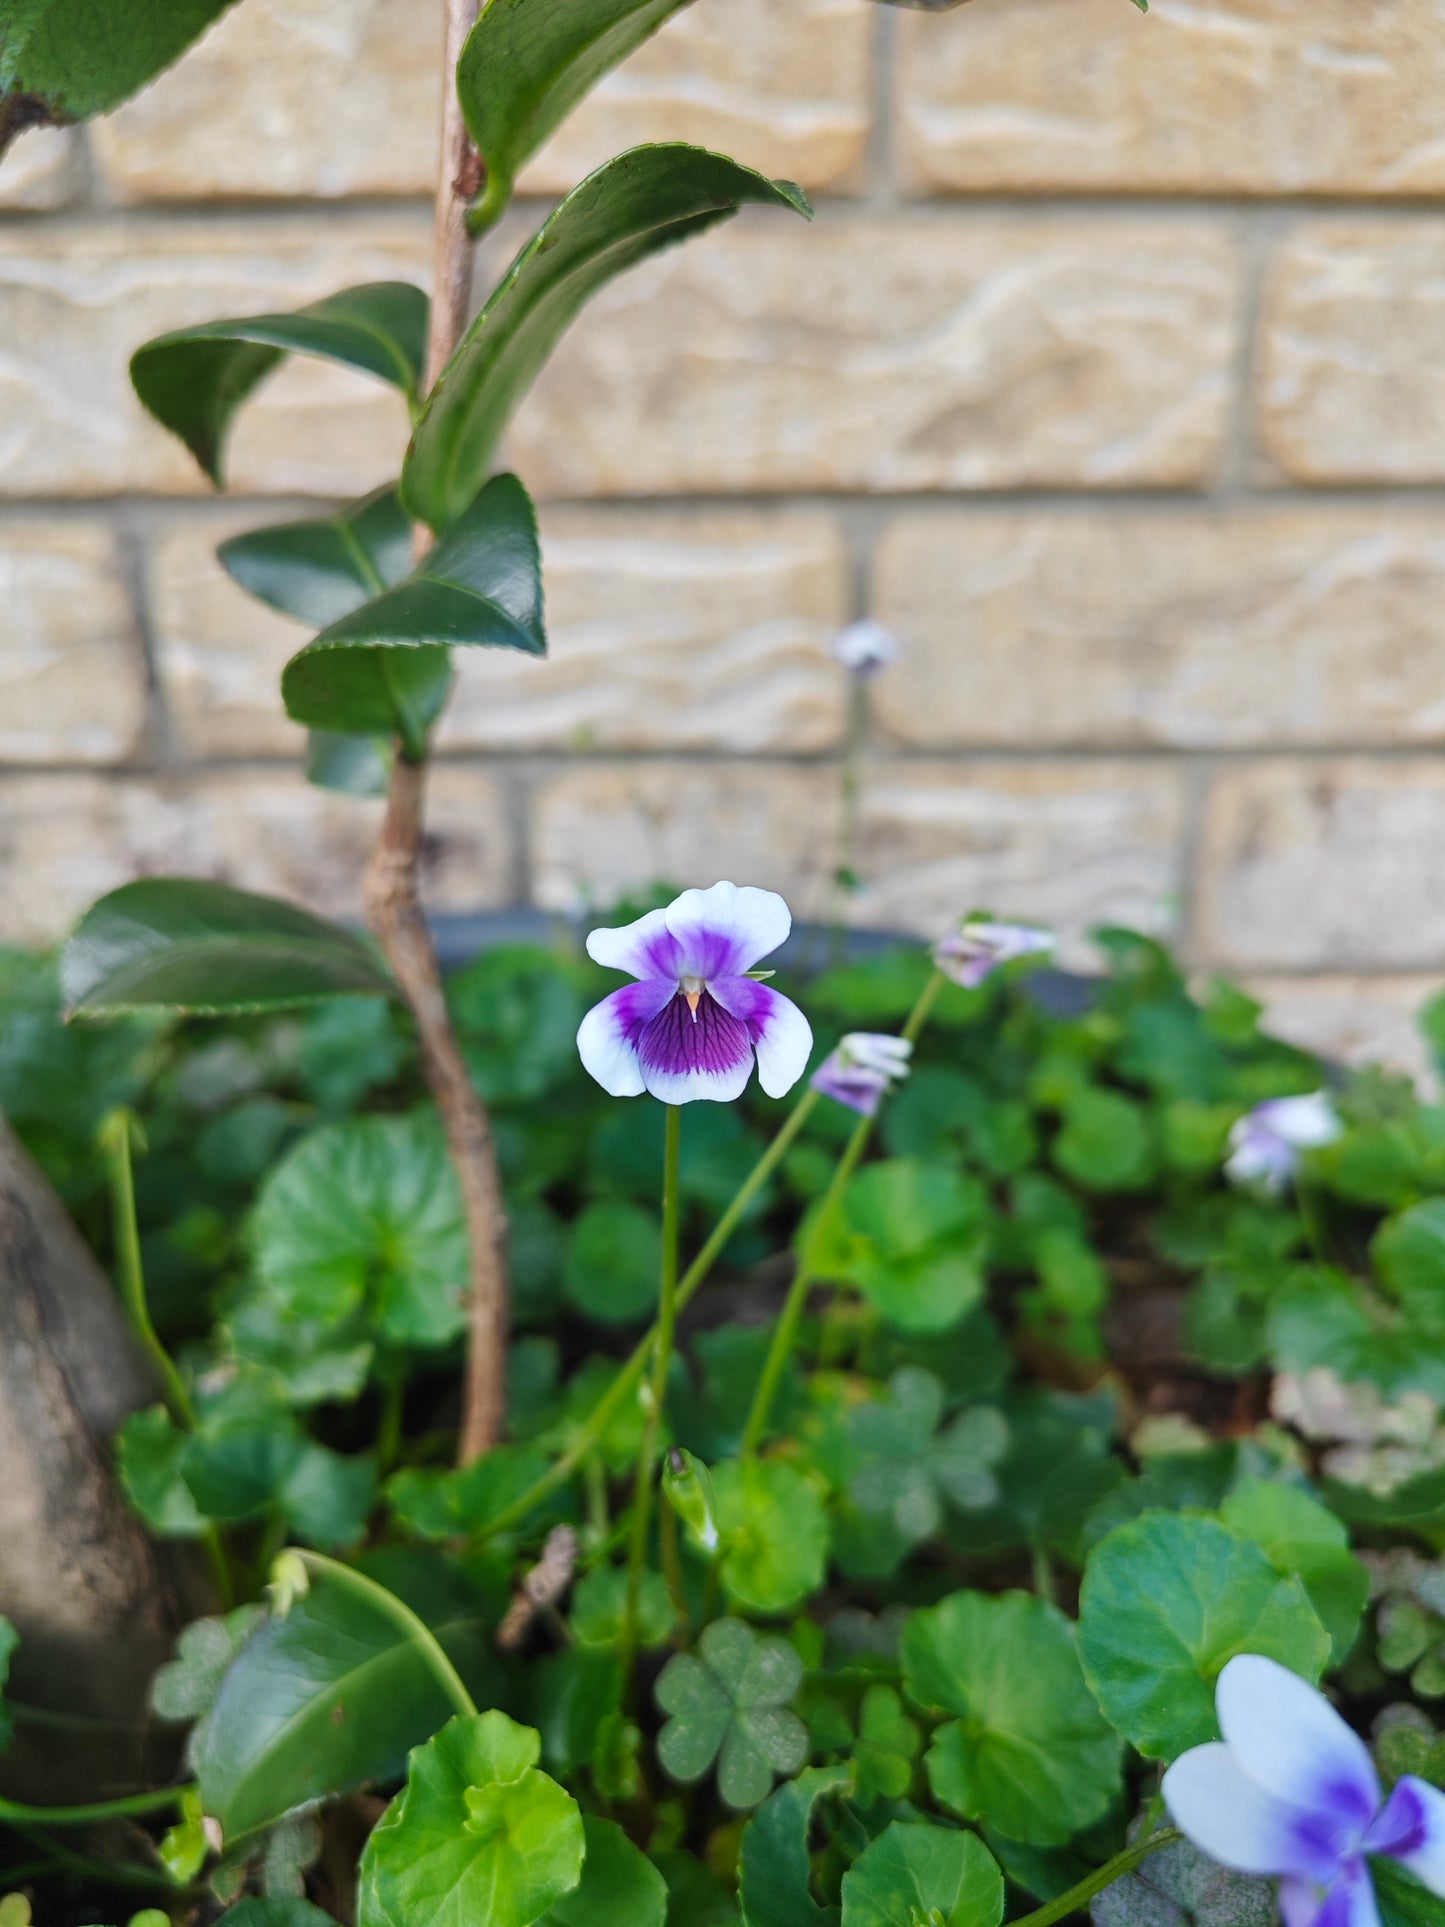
(1097, 1881)
(661, 1362)
(629, 1374)
(785, 1332)
(116, 1140)
(13, 1814)
(401, 1616)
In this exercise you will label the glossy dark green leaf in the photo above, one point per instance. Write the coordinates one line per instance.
(350, 765)
(276, 1913)
(195, 379)
(384, 667)
(319, 571)
(65, 60)
(776, 1867)
(527, 64)
(644, 200)
(333, 1695)
(178, 943)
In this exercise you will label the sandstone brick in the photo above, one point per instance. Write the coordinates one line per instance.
(1351, 385)
(1277, 97)
(72, 667)
(65, 840)
(783, 88)
(1351, 1020)
(1068, 845)
(287, 97)
(1332, 866)
(75, 302)
(41, 170)
(870, 354)
(600, 831)
(1260, 625)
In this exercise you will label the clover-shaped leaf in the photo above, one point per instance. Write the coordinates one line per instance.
(902, 1467)
(729, 1703)
(774, 1532)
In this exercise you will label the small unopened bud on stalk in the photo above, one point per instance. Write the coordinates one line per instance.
(687, 1486)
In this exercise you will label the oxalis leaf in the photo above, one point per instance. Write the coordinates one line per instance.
(1027, 1750)
(775, 1871)
(194, 379)
(729, 1703)
(479, 1834)
(527, 63)
(178, 943)
(643, 200)
(65, 60)
(914, 1876)
(385, 667)
(1165, 1603)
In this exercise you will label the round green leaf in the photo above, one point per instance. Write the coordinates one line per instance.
(774, 1531)
(1027, 1751)
(478, 1834)
(619, 1887)
(614, 1259)
(923, 1874)
(775, 1873)
(1297, 1534)
(1165, 1603)
(1105, 1143)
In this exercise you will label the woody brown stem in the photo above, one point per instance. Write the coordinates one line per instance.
(392, 885)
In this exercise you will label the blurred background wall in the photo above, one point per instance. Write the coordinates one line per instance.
(1111, 376)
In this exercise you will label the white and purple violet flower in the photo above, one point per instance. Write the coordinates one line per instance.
(697, 1016)
(1265, 1144)
(865, 647)
(1291, 1792)
(863, 1069)
(977, 948)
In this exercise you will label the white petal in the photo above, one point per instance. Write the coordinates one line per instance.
(606, 1052)
(1291, 1741)
(698, 1086)
(1412, 1830)
(642, 949)
(784, 1044)
(724, 931)
(1302, 1121)
(1224, 1813)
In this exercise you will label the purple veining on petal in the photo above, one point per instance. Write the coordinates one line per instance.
(1402, 1826)
(678, 1042)
(637, 1005)
(1350, 1902)
(752, 1003)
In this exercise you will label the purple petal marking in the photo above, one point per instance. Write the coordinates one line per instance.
(861, 1090)
(607, 1039)
(685, 1055)
(1224, 1812)
(643, 949)
(780, 1033)
(1411, 1829)
(1292, 1743)
(1350, 1902)
(724, 931)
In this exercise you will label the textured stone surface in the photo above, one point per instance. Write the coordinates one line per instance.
(1316, 625)
(1351, 382)
(42, 169)
(72, 668)
(895, 354)
(1336, 865)
(65, 840)
(76, 301)
(1244, 97)
(784, 88)
(1061, 844)
(1351, 1020)
(287, 97)
(600, 831)
(666, 632)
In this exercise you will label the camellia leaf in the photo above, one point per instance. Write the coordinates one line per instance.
(774, 1532)
(917, 1873)
(619, 1887)
(331, 1696)
(385, 667)
(527, 63)
(1166, 1602)
(65, 60)
(320, 571)
(479, 1834)
(775, 1867)
(366, 1214)
(178, 943)
(195, 379)
(643, 200)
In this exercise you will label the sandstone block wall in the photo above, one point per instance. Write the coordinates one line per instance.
(1109, 375)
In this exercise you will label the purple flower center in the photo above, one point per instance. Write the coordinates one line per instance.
(681, 1039)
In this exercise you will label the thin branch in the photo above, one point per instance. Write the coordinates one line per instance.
(392, 885)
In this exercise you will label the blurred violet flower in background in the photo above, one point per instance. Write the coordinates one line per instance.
(863, 1068)
(863, 648)
(1265, 1144)
(1291, 1791)
(977, 948)
(691, 1025)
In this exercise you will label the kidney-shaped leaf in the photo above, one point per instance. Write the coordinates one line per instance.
(320, 571)
(619, 1887)
(64, 60)
(776, 1867)
(643, 200)
(923, 1873)
(178, 943)
(195, 379)
(480, 587)
(526, 65)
